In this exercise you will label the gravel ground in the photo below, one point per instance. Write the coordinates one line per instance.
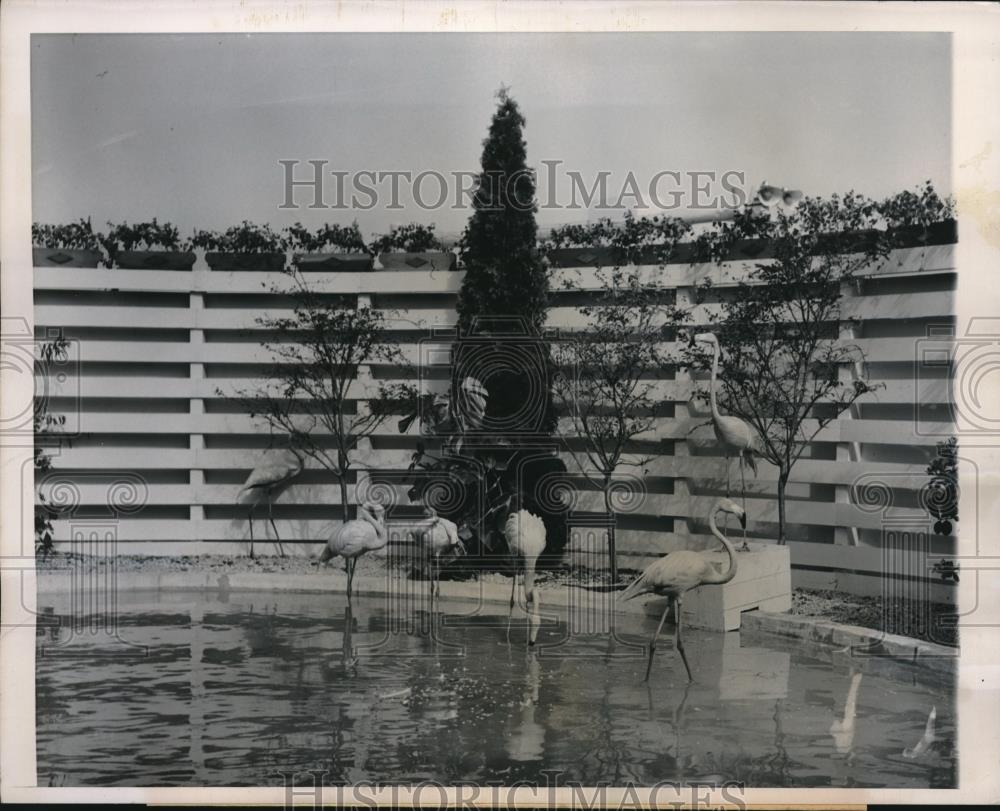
(868, 612)
(871, 612)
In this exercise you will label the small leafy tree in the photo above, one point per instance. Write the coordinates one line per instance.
(45, 424)
(319, 351)
(779, 329)
(608, 369)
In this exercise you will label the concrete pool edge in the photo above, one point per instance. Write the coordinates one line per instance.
(868, 641)
(865, 642)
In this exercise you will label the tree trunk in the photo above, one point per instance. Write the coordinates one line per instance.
(344, 506)
(344, 465)
(609, 509)
(782, 481)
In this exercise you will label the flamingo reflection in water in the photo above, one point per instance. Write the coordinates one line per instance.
(842, 729)
(929, 737)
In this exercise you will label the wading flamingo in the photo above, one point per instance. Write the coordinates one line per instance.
(525, 535)
(736, 437)
(352, 539)
(679, 572)
(437, 537)
(268, 480)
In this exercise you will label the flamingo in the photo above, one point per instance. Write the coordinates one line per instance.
(734, 435)
(438, 537)
(679, 572)
(268, 480)
(353, 538)
(525, 535)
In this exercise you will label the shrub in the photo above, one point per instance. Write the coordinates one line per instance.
(346, 238)
(143, 236)
(412, 238)
(74, 236)
(244, 238)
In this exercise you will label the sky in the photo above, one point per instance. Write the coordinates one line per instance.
(191, 128)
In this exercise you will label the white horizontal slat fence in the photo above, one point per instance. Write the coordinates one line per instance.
(152, 349)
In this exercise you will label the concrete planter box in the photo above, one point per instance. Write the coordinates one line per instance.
(245, 261)
(424, 260)
(602, 256)
(65, 258)
(156, 260)
(333, 262)
(763, 582)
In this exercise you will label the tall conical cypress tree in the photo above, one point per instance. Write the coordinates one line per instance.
(505, 291)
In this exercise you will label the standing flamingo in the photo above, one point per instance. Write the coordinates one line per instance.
(734, 435)
(437, 537)
(680, 572)
(525, 535)
(268, 480)
(352, 539)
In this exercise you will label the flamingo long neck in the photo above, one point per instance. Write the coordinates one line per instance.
(379, 527)
(730, 571)
(715, 372)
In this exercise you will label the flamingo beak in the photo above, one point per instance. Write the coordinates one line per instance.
(691, 341)
(743, 520)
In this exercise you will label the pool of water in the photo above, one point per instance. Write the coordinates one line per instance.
(197, 689)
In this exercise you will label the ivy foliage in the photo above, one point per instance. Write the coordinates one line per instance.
(411, 238)
(341, 238)
(247, 237)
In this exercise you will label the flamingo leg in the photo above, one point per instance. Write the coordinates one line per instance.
(743, 481)
(430, 581)
(350, 577)
(250, 519)
(534, 620)
(277, 540)
(510, 613)
(677, 638)
(727, 475)
(652, 641)
(435, 590)
(529, 608)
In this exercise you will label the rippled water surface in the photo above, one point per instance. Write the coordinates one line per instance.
(234, 691)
